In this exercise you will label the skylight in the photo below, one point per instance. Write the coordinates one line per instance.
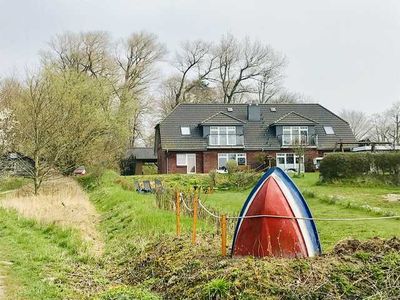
(185, 130)
(230, 109)
(273, 109)
(329, 130)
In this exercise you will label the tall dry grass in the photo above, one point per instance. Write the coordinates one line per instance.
(61, 202)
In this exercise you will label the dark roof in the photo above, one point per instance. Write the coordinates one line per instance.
(258, 135)
(221, 118)
(142, 153)
(293, 118)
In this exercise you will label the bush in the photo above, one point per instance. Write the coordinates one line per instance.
(213, 178)
(231, 166)
(383, 166)
(216, 289)
(126, 293)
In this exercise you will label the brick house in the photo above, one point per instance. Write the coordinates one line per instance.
(198, 138)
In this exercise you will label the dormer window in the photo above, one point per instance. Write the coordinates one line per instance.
(295, 135)
(222, 135)
(185, 130)
(329, 130)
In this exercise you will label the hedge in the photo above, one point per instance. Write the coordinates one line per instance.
(337, 166)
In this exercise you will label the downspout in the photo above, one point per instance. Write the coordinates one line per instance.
(167, 161)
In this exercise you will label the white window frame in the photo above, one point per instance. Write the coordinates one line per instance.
(329, 130)
(237, 155)
(229, 135)
(295, 163)
(302, 132)
(185, 130)
(179, 162)
(183, 161)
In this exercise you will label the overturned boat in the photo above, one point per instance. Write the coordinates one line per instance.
(276, 221)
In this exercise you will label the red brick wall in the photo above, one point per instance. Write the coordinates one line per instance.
(167, 163)
(208, 160)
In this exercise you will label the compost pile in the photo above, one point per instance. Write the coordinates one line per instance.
(175, 269)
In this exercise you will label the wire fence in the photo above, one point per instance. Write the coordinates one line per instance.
(192, 206)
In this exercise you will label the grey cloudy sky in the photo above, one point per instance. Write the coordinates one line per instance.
(341, 53)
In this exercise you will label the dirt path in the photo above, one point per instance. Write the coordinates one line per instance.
(61, 202)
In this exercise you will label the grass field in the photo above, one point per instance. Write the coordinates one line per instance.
(51, 261)
(332, 201)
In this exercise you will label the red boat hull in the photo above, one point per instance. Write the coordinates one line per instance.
(270, 236)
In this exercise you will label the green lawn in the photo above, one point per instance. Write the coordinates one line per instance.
(348, 202)
(51, 263)
(44, 259)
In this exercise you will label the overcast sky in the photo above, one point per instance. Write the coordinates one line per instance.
(341, 53)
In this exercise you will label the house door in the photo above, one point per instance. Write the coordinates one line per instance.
(191, 163)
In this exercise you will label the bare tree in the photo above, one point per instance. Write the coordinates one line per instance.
(385, 126)
(393, 115)
(39, 118)
(136, 59)
(360, 123)
(86, 52)
(194, 64)
(380, 131)
(241, 65)
(284, 96)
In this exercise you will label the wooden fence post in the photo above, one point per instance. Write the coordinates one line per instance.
(178, 213)
(195, 205)
(223, 235)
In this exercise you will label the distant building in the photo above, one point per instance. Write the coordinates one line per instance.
(17, 164)
(198, 138)
(135, 159)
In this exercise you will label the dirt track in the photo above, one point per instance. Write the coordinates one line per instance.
(61, 202)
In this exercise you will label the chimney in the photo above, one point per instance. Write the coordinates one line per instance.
(253, 112)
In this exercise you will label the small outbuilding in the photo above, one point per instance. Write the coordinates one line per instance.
(136, 158)
(16, 164)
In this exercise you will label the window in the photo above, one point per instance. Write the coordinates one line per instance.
(222, 135)
(181, 160)
(289, 161)
(185, 130)
(295, 135)
(329, 130)
(187, 160)
(240, 159)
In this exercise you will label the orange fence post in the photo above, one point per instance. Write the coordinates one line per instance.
(195, 205)
(178, 213)
(223, 235)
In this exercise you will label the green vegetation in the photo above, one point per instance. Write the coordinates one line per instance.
(332, 200)
(239, 180)
(131, 219)
(11, 183)
(180, 271)
(375, 168)
(144, 259)
(47, 262)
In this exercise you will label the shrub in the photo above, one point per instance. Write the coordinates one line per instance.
(213, 178)
(231, 166)
(344, 165)
(150, 169)
(216, 289)
(126, 293)
(384, 167)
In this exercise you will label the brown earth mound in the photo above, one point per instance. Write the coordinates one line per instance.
(176, 269)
